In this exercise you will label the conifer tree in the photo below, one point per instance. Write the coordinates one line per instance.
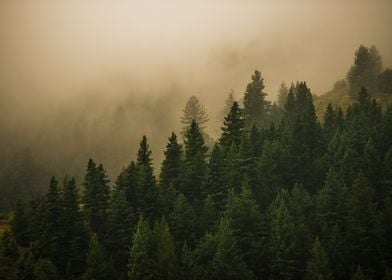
(228, 104)
(171, 165)
(194, 111)
(146, 188)
(363, 228)
(20, 224)
(318, 265)
(8, 247)
(256, 108)
(195, 164)
(44, 269)
(96, 197)
(186, 264)
(128, 182)
(228, 262)
(75, 232)
(208, 215)
(282, 95)
(183, 222)
(140, 263)
(215, 185)
(282, 240)
(99, 266)
(120, 226)
(232, 127)
(165, 260)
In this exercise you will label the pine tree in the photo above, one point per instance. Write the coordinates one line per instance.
(248, 226)
(195, 164)
(363, 228)
(165, 260)
(96, 197)
(208, 215)
(233, 126)
(99, 266)
(186, 264)
(194, 111)
(282, 95)
(45, 270)
(50, 243)
(228, 104)
(120, 225)
(365, 70)
(318, 265)
(183, 222)
(256, 108)
(75, 232)
(228, 262)
(171, 165)
(20, 224)
(140, 263)
(282, 241)
(215, 185)
(128, 182)
(146, 189)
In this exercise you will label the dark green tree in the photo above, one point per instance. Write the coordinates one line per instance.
(256, 108)
(96, 197)
(171, 165)
(20, 224)
(75, 239)
(318, 264)
(195, 164)
(233, 126)
(99, 265)
(120, 227)
(228, 260)
(165, 260)
(140, 263)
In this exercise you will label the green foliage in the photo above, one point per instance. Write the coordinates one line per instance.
(140, 263)
(256, 107)
(96, 197)
(228, 260)
(171, 165)
(233, 126)
(45, 270)
(20, 224)
(99, 266)
(318, 264)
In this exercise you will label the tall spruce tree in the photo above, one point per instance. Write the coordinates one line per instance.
(228, 263)
(195, 164)
(318, 264)
(256, 108)
(194, 111)
(120, 227)
(99, 266)
(171, 165)
(75, 232)
(96, 197)
(232, 127)
(140, 262)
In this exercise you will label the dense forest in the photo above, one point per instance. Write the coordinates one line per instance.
(282, 194)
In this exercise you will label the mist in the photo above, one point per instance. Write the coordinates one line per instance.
(82, 79)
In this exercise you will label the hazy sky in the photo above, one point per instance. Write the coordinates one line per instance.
(56, 55)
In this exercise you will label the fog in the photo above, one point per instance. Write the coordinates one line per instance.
(83, 79)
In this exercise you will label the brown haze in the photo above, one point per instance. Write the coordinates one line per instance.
(83, 79)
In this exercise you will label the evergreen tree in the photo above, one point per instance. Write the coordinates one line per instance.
(365, 70)
(227, 262)
(128, 182)
(194, 111)
(165, 260)
(318, 265)
(120, 225)
(8, 248)
(363, 228)
(75, 232)
(99, 266)
(232, 127)
(195, 164)
(228, 104)
(282, 241)
(96, 197)
(282, 95)
(171, 165)
(146, 188)
(256, 108)
(249, 229)
(208, 215)
(140, 263)
(183, 222)
(20, 224)
(45, 270)
(215, 185)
